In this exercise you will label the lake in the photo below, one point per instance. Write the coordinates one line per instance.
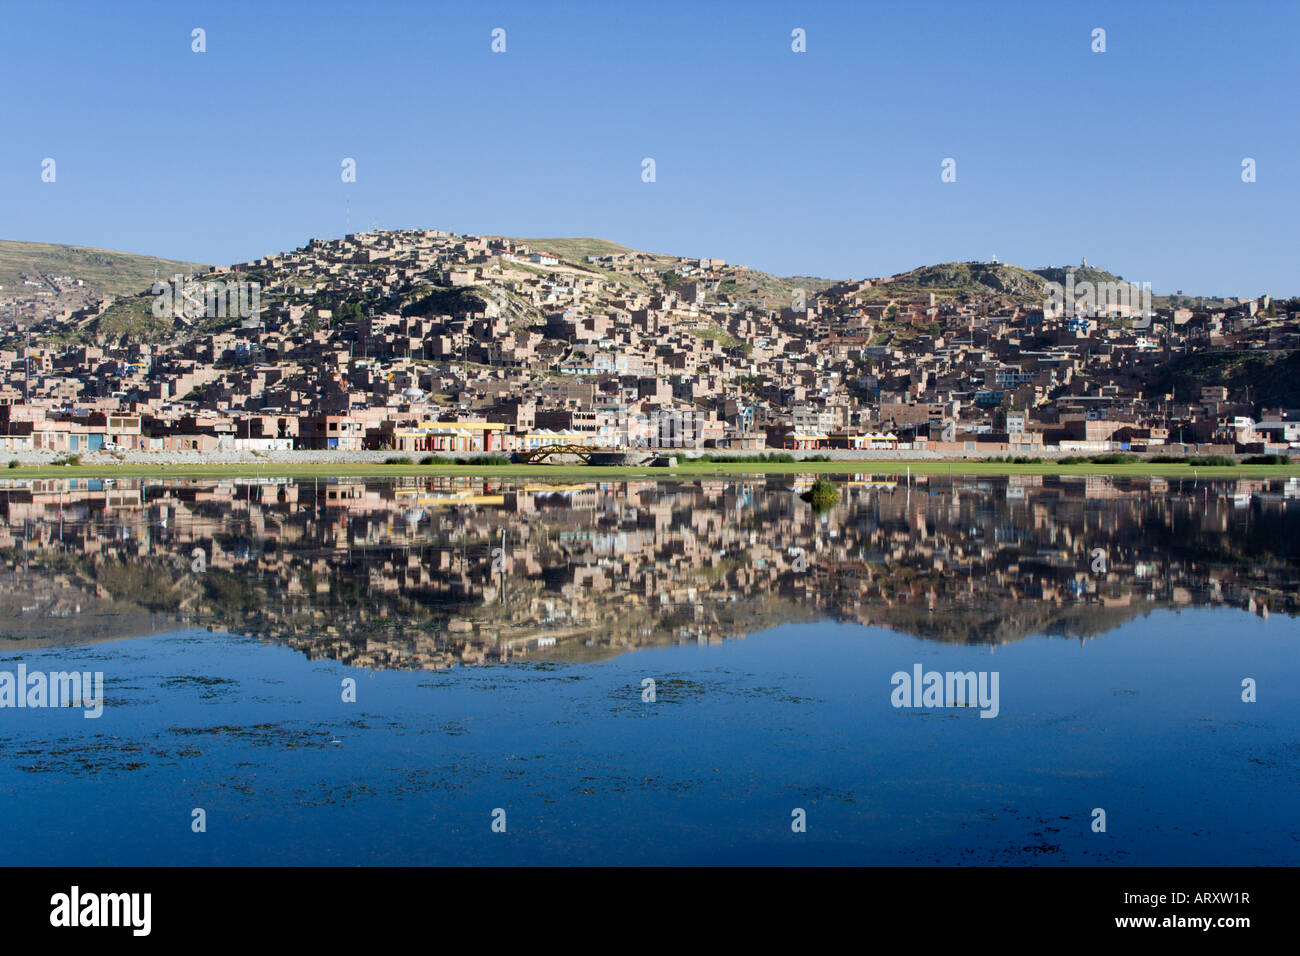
(946, 670)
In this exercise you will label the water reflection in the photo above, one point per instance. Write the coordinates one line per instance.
(436, 572)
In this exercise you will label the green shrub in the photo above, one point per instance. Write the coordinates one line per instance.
(1211, 461)
(398, 460)
(465, 460)
(769, 458)
(13, 463)
(823, 495)
(1266, 460)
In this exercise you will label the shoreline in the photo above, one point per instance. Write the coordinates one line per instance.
(685, 469)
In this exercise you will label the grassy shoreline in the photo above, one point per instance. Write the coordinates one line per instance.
(686, 470)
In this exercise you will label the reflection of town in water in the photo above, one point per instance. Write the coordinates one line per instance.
(433, 572)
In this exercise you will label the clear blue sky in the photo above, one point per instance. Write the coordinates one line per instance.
(824, 163)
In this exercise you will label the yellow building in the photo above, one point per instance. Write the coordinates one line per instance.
(469, 435)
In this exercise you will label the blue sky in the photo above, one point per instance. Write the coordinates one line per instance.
(819, 163)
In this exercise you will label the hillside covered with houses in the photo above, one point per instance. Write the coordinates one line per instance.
(422, 341)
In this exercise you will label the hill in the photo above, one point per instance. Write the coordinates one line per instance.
(105, 271)
(574, 249)
(748, 284)
(121, 274)
(1273, 378)
(1081, 274)
(960, 280)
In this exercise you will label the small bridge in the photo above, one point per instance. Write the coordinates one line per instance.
(539, 455)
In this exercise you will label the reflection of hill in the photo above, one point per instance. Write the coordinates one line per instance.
(348, 570)
(46, 609)
(1004, 623)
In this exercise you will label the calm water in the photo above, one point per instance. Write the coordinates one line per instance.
(500, 635)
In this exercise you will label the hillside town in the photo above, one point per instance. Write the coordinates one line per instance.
(44, 297)
(422, 342)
